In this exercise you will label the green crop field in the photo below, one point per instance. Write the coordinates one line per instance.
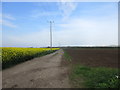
(12, 56)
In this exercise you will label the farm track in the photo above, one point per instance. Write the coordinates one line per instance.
(41, 72)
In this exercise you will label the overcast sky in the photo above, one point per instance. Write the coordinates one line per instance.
(25, 24)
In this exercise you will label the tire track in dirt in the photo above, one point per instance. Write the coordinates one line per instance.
(42, 72)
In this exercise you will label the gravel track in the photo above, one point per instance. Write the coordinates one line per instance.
(41, 72)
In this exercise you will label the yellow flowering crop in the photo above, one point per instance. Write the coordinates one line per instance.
(15, 55)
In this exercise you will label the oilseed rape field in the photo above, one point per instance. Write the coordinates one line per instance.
(12, 55)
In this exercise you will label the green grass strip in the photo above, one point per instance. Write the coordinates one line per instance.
(67, 57)
(99, 77)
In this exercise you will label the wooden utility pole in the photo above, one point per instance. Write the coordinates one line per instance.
(51, 34)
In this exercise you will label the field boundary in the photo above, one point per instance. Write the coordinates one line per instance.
(19, 55)
(82, 76)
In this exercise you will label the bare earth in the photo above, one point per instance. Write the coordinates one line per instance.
(94, 57)
(41, 72)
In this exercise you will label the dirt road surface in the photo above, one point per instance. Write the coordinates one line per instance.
(41, 72)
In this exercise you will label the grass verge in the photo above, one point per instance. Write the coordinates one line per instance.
(99, 77)
(67, 57)
(92, 77)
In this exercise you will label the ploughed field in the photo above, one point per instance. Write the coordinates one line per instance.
(95, 57)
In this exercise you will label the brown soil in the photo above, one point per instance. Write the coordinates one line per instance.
(95, 57)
